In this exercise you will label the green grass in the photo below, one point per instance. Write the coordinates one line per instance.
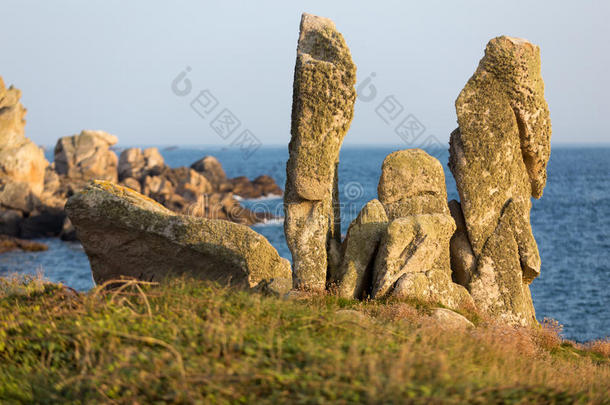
(194, 342)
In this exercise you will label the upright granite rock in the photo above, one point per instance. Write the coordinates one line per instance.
(127, 234)
(20, 159)
(87, 156)
(359, 250)
(412, 183)
(498, 157)
(322, 110)
(413, 259)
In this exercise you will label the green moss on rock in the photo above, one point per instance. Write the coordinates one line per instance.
(322, 111)
(498, 156)
(127, 234)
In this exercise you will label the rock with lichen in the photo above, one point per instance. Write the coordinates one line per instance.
(359, 250)
(413, 257)
(127, 234)
(322, 111)
(413, 261)
(463, 260)
(412, 182)
(498, 157)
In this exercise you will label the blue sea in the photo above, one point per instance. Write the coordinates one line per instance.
(571, 224)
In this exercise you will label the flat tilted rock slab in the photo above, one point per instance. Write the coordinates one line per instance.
(127, 234)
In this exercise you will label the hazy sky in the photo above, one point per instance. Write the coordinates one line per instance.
(110, 64)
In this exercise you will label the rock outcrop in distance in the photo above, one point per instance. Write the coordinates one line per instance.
(127, 234)
(498, 157)
(33, 193)
(322, 111)
(201, 190)
(20, 159)
(87, 156)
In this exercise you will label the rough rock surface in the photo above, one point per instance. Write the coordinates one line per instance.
(137, 163)
(449, 319)
(413, 258)
(87, 156)
(127, 234)
(463, 260)
(322, 111)
(211, 168)
(359, 250)
(411, 183)
(413, 261)
(20, 159)
(498, 157)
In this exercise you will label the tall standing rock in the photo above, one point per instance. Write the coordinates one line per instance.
(20, 159)
(322, 110)
(498, 157)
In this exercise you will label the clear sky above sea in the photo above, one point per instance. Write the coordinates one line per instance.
(110, 64)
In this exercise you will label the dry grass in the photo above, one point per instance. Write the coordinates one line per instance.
(193, 342)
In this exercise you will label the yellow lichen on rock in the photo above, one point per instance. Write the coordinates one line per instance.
(127, 234)
(322, 111)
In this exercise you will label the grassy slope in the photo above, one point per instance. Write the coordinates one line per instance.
(190, 341)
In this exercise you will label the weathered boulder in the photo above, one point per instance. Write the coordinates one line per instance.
(193, 185)
(262, 186)
(267, 186)
(322, 111)
(17, 195)
(132, 184)
(137, 163)
(159, 188)
(498, 157)
(411, 183)
(463, 260)
(448, 319)
(87, 156)
(20, 159)
(413, 261)
(211, 168)
(359, 250)
(127, 234)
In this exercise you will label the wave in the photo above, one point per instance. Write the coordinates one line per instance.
(271, 222)
(263, 198)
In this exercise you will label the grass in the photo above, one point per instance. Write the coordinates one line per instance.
(194, 342)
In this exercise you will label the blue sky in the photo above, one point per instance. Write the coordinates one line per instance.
(110, 64)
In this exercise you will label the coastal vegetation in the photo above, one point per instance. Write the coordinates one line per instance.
(191, 341)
